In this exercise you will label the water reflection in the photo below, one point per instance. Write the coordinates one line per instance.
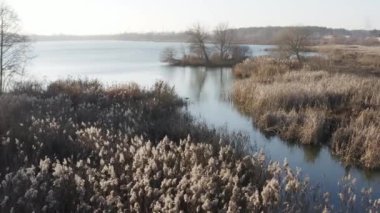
(311, 153)
(197, 82)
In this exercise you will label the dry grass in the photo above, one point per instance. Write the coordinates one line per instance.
(349, 48)
(360, 139)
(358, 60)
(72, 148)
(262, 67)
(315, 107)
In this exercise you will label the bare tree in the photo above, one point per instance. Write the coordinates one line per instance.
(223, 38)
(197, 38)
(293, 41)
(168, 55)
(13, 46)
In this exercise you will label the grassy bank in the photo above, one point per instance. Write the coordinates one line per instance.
(315, 103)
(79, 147)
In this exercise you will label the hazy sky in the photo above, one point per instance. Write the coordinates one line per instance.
(116, 16)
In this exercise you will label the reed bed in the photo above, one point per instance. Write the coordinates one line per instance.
(78, 147)
(311, 106)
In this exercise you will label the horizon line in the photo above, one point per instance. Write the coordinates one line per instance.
(183, 31)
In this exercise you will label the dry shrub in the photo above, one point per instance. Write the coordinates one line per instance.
(263, 68)
(278, 123)
(315, 127)
(293, 90)
(123, 91)
(310, 127)
(77, 90)
(73, 87)
(30, 88)
(244, 69)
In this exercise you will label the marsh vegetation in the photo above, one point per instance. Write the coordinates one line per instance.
(76, 146)
(332, 100)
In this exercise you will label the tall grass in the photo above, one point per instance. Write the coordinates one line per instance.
(78, 147)
(315, 107)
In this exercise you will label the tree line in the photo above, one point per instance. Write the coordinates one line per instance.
(220, 48)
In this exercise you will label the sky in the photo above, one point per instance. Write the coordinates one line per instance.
(94, 17)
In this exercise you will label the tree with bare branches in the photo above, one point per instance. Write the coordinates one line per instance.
(198, 37)
(292, 41)
(168, 55)
(13, 46)
(223, 39)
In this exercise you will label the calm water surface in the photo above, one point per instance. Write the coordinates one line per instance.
(118, 62)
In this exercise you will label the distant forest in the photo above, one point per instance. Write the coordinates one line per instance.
(250, 35)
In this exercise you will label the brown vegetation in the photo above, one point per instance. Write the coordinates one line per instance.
(358, 60)
(313, 106)
(72, 148)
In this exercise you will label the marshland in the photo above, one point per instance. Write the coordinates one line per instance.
(207, 119)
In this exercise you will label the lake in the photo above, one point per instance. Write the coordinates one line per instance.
(118, 62)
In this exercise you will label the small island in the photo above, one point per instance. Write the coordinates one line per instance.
(208, 50)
